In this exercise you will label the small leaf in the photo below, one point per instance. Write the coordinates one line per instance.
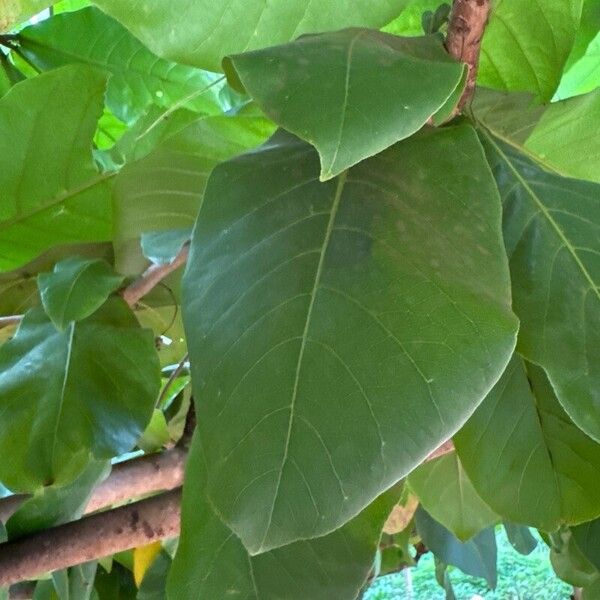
(450, 498)
(477, 557)
(64, 396)
(336, 74)
(520, 538)
(327, 325)
(162, 247)
(76, 288)
(52, 193)
(143, 557)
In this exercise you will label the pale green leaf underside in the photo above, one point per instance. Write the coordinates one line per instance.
(449, 497)
(62, 395)
(567, 139)
(52, 193)
(340, 331)
(525, 456)
(527, 43)
(584, 75)
(207, 30)
(139, 78)
(551, 231)
(364, 90)
(211, 562)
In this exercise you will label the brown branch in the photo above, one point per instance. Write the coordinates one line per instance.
(468, 20)
(90, 538)
(128, 480)
(134, 291)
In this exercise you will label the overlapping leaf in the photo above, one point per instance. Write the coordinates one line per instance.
(551, 231)
(525, 456)
(340, 331)
(211, 562)
(207, 31)
(566, 137)
(139, 78)
(526, 45)
(62, 394)
(13, 12)
(52, 193)
(450, 498)
(349, 79)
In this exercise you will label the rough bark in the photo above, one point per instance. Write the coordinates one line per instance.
(465, 31)
(92, 537)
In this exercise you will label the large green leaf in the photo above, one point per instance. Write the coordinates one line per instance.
(139, 77)
(340, 331)
(566, 137)
(527, 43)
(347, 79)
(525, 456)
(76, 288)
(202, 32)
(477, 557)
(164, 189)
(450, 498)
(551, 231)
(211, 562)
(52, 193)
(587, 536)
(63, 398)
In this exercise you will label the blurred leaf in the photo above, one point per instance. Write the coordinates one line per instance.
(352, 123)
(449, 497)
(63, 397)
(409, 21)
(520, 538)
(143, 557)
(156, 435)
(569, 563)
(162, 247)
(13, 12)
(76, 289)
(139, 78)
(116, 585)
(527, 44)
(154, 583)
(477, 557)
(52, 191)
(206, 32)
(587, 537)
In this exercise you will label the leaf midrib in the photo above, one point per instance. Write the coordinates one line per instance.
(318, 274)
(544, 211)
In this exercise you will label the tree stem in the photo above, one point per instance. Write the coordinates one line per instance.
(468, 20)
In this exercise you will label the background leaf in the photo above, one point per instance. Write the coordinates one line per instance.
(329, 355)
(208, 31)
(52, 191)
(526, 45)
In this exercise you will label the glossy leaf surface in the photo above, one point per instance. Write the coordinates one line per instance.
(211, 562)
(52, 193)
(525, 456)
(207, 31)
(139, 78)
(527, 44)
(336, 74)
(76, 288)
(331, 331)
(449, 497)
(551, 231)
(477, 557)
(63, 398)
